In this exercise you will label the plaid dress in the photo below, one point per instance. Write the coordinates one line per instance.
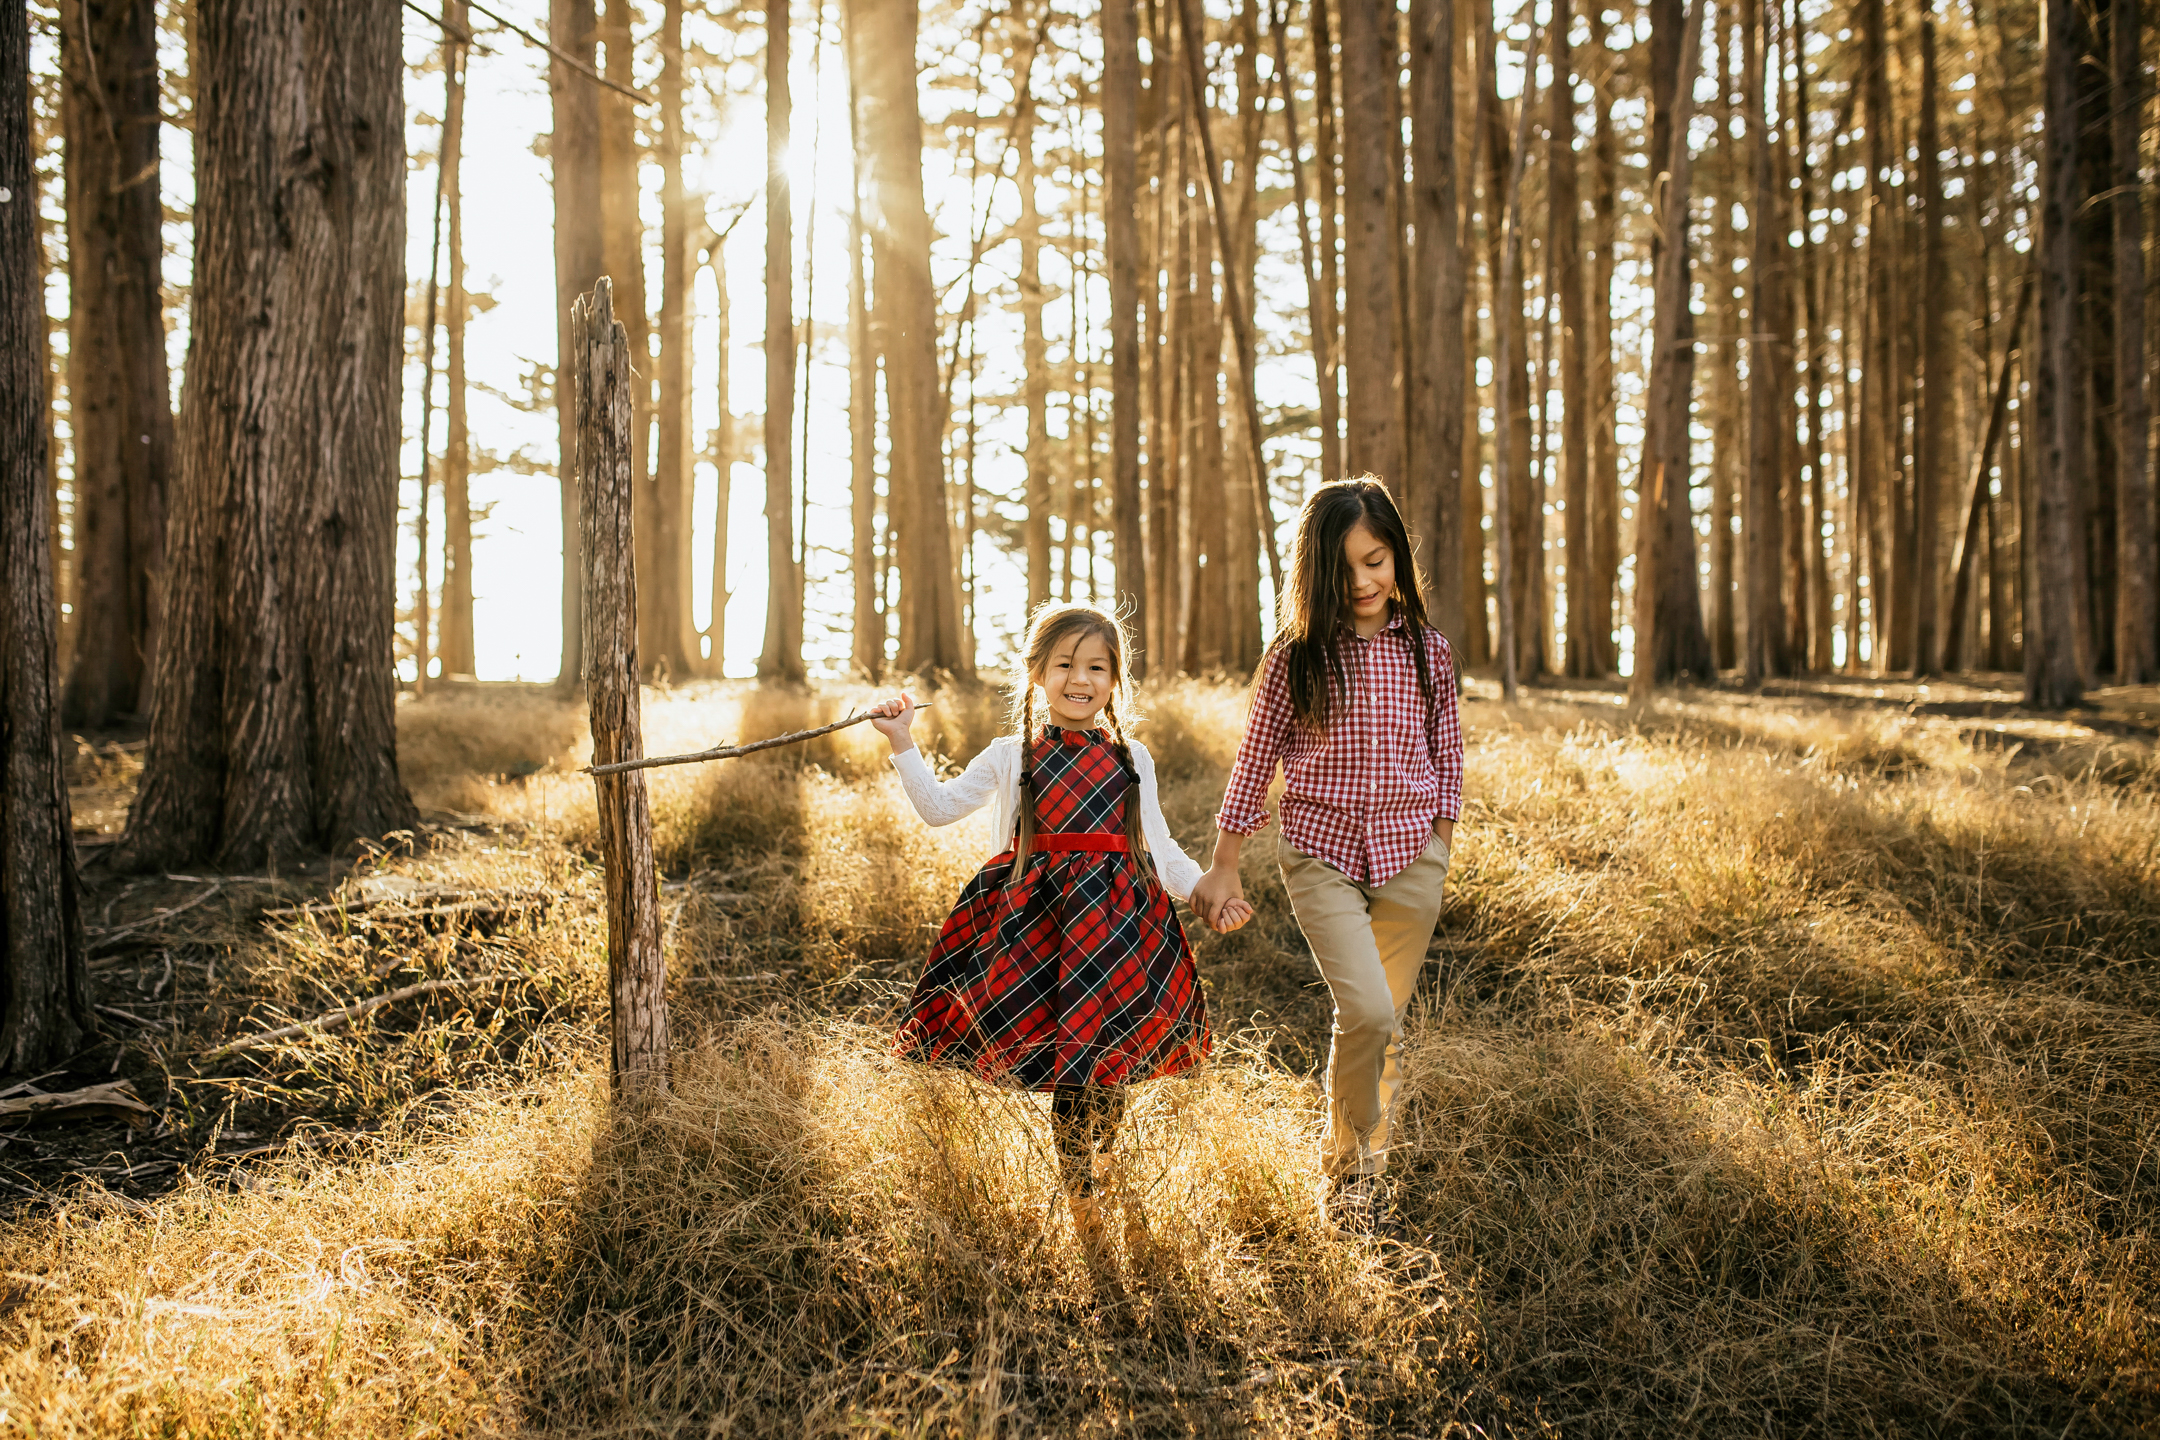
(1079, 973)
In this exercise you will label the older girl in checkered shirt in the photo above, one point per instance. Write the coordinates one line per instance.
(1356, 701)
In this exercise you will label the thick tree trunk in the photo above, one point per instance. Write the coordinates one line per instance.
(45, 1012)
(781, 657)
(2055, 639)
(1121, 233)
(1770, 374)
(580, 258)
(1436, 398)
(2137, 605)
(1568, 290)
(456, 638)
(671, 628)
(1938, 382)
(273, 732)
(604, 379)
(882, 34)
(119, 399)
(1603, 578)
(1373, 348)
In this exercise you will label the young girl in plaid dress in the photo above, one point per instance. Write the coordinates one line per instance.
(1356, 701)
(1063, 968)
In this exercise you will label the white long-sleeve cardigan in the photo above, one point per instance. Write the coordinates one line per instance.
(993, 778)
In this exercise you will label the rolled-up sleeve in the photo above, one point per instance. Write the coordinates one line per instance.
(1447, 745)
(1267, 733)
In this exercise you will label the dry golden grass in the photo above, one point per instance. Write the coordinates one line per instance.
(1787, 1067)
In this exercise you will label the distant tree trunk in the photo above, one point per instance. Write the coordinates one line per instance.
(1602, 580)
(456, 642)
(1938, 384)
(1436, 401)
(781, 658)
(1567, 273)
(1770, 373)
(273, 732)
(2137, 608)
(45, 1012)
(622, 232)
(868, 653)
(882, 34)
(673, 646)
(723, 445)
(1526, 517)
(1250, 515)
(1875, 436)
(1669, 639)
(1820, 655)
(1329, 168)
(1121, 235)
(1475, 644)
(1373, 349)
(1034, 351)
(1167, 452)
(2055, 640)
(119, 401)
(580, 258)
(1728, 434)
(1507, 283)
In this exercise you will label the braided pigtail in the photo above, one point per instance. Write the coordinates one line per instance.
(1135, 812)
(1024, 832)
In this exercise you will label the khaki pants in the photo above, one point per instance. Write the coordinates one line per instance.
(1370, 942)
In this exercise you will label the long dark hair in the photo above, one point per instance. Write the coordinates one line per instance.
(1316, 599)
(1051, 628)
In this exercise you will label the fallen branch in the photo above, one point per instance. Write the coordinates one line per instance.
(339, 1019)
(117, 1100)
(99, 939)
(730, 752)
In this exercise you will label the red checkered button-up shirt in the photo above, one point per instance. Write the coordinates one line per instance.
(1364, 796)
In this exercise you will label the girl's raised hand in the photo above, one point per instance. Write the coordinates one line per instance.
(891, 718)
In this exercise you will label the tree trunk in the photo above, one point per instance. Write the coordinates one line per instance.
(1373, 350)
(1872, 469)
(1034, 351)
(1820, 656)
(574, 160)
(604, 380)
(45, 1012)
(882, 35)
(1250, 527)
(456, 641)
(119, 401)
(1568, 290)
(1669, 639)
(1436, 399)
(1511, 403)
(868, 652)
(1938, 384)
(2137, 606)
(1727, 419)
(2055, 640)
(1602, 580)
(273, 732)
(672, 647)
(781, 658)
(622, 233)
(723, 444)
(1332, 465)
(1770, 372)
(1475, 644)
(1121, 234)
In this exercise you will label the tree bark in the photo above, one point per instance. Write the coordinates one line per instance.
(1373, 348)
(1602, 581)
(2055, 639)
(580, 258)
(1034, 350)
(1820, 656)
(1512, 404)
(723, 444)
(1938, 383)
(2137, 606)
(672, 647)
(1727, 416)
(456, 640)
(1507, 291)
(622, 233)
(604, 380)
(1121, 236)
(119, 397)
(1568, 289)
(781, 657)
(1329, 167)
(45, 1012)
(1436, 397)
(273, 731)
(868, 652)
(882, 34)
(1770, 373)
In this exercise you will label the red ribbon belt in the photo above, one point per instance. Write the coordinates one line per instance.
(1099, 843)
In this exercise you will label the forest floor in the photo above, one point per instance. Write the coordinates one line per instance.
(1789, 1063)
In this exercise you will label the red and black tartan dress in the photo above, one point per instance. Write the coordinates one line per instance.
(1078, 973)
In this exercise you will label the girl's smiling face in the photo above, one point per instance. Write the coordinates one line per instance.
(1371, 562)
(1077, 681)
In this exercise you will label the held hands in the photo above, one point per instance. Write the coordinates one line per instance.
(1219, 899)
(891, 718)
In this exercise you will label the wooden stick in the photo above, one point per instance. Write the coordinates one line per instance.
(730, 752)
(339, 1019)
(117, 1100)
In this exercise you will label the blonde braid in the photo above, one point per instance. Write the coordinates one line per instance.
(1024, 833)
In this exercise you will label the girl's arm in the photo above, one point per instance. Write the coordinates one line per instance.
(1446, 738)
(939, 802)
(1179, 873)
(1220, 895)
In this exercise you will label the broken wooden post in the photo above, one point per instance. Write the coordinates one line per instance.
(637, 981)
